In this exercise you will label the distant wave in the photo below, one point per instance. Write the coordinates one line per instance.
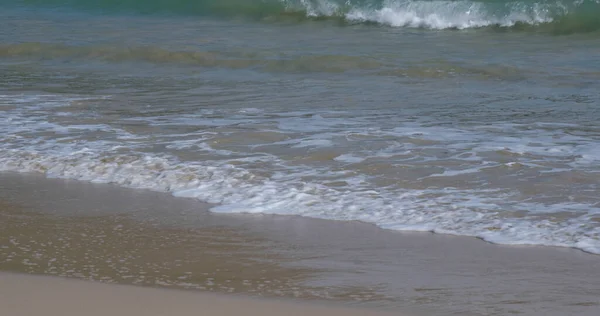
(250, 60)
(556, 16)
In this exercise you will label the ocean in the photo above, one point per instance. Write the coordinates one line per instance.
(474, 118)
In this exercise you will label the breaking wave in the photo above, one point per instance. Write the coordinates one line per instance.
(555, 16)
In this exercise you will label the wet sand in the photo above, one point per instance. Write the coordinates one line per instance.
(114, 235)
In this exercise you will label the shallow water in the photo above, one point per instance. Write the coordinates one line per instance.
(489, 132)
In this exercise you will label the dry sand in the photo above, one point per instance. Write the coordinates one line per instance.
(27, 295)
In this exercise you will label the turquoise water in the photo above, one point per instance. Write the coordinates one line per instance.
(456, 117)
(544, 15)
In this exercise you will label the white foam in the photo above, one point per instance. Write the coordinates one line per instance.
(260, 182)
(349, 158)
(313, 143)
(447, 14)
(238, 190)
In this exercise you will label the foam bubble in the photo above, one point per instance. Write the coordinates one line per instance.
(406, 178)
(447, 14)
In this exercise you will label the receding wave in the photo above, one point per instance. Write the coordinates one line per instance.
(555, 16)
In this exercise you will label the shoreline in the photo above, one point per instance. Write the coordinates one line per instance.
(125, 236)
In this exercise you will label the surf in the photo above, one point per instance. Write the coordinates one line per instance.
(553, 16)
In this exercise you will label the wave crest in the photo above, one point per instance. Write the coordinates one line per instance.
(557, 16)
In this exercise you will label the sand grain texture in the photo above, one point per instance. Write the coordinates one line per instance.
(27, 295)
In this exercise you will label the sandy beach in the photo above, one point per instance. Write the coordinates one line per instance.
(298, 157)
(25, 295)
(107, 234)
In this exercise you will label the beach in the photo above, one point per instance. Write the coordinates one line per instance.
(413, 157)
(107, 234)
(24, 295)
